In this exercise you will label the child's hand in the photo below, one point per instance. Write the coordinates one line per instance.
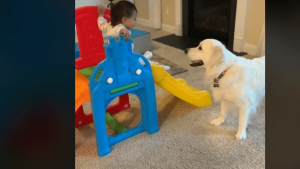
(101, 10)
(126, 33)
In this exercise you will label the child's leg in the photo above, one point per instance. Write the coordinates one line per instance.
(148, 55)
(161, 65)
(165, 67)
(140, 59)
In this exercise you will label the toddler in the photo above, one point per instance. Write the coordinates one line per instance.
(123, 15)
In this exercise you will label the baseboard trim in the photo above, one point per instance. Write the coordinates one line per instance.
(144, 22)
(250, 49)
(168, 28)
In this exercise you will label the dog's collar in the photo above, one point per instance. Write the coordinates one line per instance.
(216, 80)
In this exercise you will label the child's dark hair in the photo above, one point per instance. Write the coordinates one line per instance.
(121, 9)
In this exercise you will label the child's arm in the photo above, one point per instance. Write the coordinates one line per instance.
(121, 29)
(126, 33)
(102, 23)
(101, 9)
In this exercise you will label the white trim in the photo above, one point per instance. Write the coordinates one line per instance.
(250, 49)
(178, 17)
(144, 22)
(240, 26)
(151, 13)
(168, 28)
(261, 43)
(156, 13)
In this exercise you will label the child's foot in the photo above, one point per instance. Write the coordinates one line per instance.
(148, 55)
(161, 65)
(165, 67)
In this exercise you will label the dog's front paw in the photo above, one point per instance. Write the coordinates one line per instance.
(241, 135)
(216, 122)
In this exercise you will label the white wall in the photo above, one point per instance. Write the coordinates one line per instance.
(79, 3)
(255, 23)
(168, 15)
(143, 9)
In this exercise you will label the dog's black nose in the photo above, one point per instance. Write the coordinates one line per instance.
(186, 51)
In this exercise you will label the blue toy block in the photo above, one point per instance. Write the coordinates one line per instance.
(122, 73)
(136, 33)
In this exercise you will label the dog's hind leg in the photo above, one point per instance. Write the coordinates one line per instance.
(223, 114)
(244, 113)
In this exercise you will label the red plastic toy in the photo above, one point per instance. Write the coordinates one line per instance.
(82, 119)
(90, 43)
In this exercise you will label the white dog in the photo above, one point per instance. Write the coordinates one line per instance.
(236, 82)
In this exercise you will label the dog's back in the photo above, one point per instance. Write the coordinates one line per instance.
(261, 61)
(259, 68)
(256, 80)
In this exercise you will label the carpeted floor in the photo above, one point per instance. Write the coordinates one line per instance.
(174, 69)
(185, 140)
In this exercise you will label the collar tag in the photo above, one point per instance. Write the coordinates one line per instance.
(216, 85)
(216, 80)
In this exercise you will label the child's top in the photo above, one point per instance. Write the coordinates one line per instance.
(108, 30)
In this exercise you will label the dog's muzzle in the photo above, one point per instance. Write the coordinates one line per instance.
(195, 63)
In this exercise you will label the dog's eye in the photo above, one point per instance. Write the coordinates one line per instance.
(200, 48)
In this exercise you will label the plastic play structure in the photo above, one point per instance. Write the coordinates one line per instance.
(91, 52)
(82, 95)
(119, 74)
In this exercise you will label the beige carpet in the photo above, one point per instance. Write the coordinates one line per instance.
(185, 139)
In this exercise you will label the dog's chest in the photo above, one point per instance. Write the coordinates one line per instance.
(228, 94)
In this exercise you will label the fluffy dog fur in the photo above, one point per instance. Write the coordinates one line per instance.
(241, 88)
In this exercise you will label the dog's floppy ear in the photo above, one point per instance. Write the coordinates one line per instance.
(217, 55)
